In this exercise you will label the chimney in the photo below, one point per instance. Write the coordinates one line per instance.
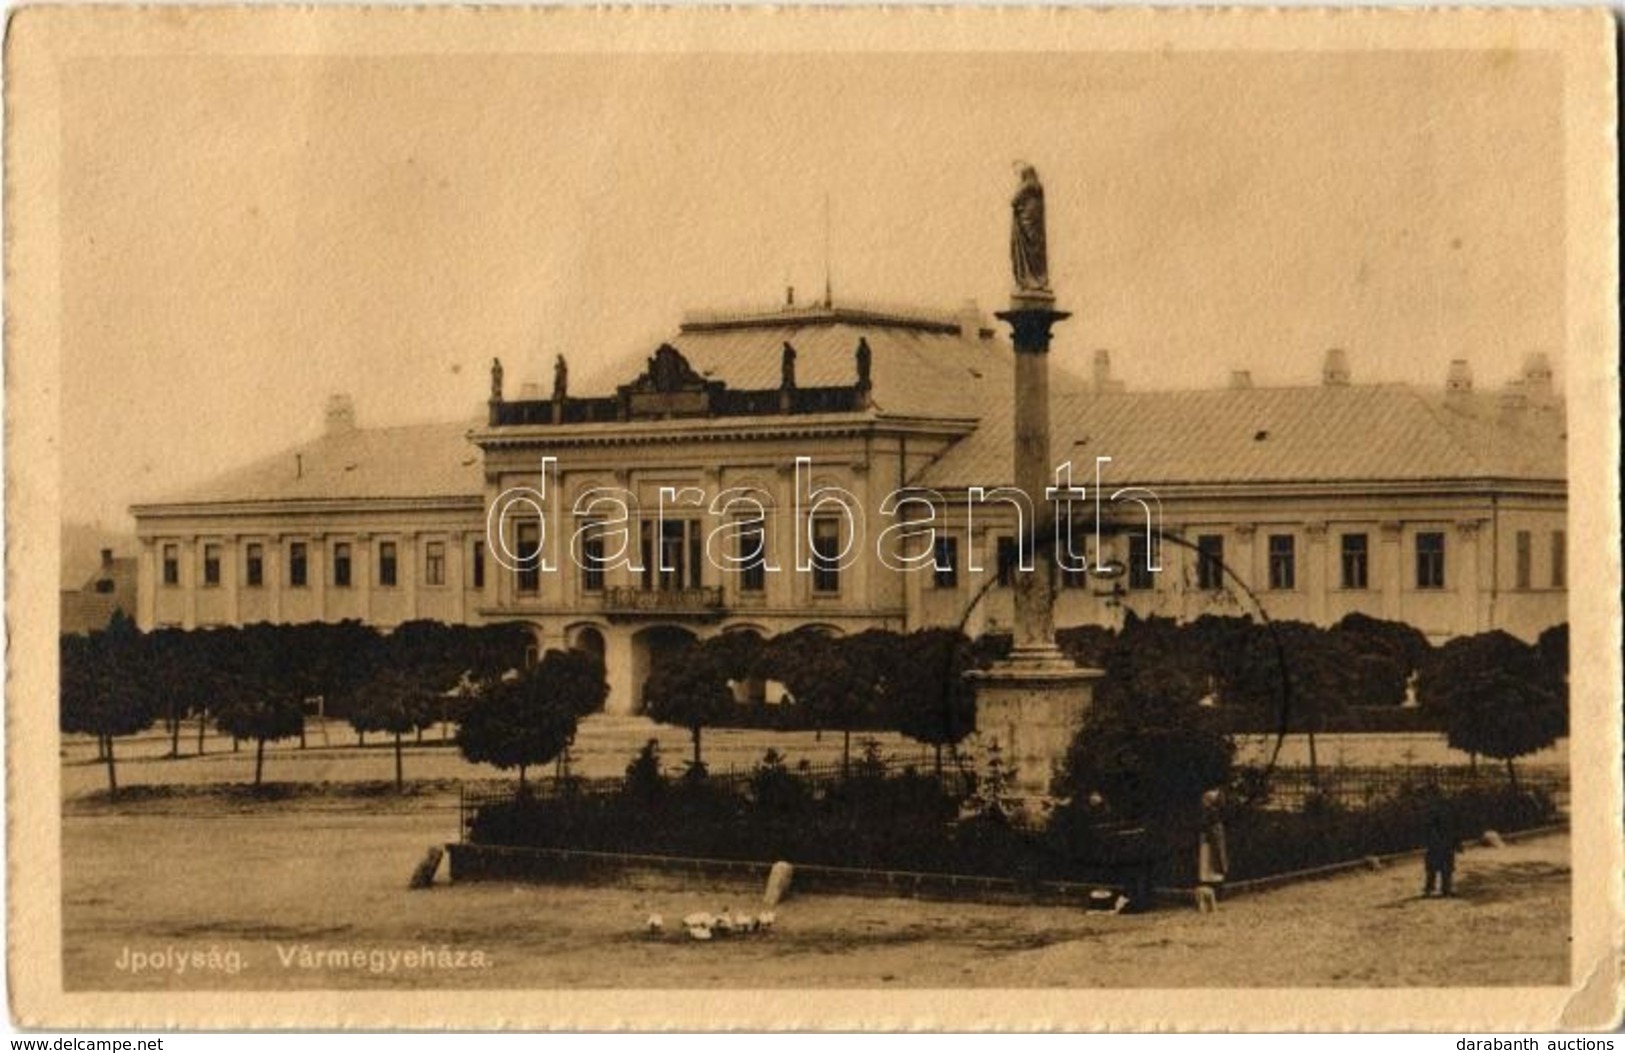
(969, 319)
(107, 558)
(1241, 379)
(1459, 381)
(1514, 398)
(1334, 373)
(1537, 377)
(1102, 377)
(340, 414)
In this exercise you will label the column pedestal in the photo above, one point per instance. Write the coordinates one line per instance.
(1032, 706)
(1032, 703)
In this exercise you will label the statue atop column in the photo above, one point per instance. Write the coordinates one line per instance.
(561, 379)
(1029, 258)
(496, 380)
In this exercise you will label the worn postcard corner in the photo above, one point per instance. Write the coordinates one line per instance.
(1011, 519)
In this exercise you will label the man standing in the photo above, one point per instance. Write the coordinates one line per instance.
(1439, 855)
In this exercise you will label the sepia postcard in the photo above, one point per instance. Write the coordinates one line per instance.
(1018, 519)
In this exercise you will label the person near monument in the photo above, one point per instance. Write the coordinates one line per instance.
(1212, 853)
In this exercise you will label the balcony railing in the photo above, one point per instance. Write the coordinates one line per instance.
(704, 601)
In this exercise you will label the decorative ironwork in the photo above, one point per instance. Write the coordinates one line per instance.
(703, 601)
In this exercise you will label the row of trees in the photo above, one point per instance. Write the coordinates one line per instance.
(253, 683)
(1495, 695)
(1153, 743)
(913, 683)
(1491, 693)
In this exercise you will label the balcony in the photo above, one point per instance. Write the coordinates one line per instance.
(631, 601)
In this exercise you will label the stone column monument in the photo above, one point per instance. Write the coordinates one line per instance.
(1032, 703)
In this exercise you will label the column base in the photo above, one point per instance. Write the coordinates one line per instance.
(1032, 705)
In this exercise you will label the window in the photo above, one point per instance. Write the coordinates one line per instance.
(256, 565)
(1283, 561)
(592, 559)
(211, 565)
(298, 564)
(1524, 547)
(1430, 561)
(1356, 561)
(479, 564)
(386, 564)
(826, 550)
(1139, 563)
(673, 560)
(172, 564)
(341, 564)
(946, 573)
(753, 556)
(434, 563)
(1560, 559)
(528, 547)
(1007, 561)
(1209, 561)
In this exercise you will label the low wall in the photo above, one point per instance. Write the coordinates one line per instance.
(471, 862)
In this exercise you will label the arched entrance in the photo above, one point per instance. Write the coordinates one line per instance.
(588, 640)
(650, 646)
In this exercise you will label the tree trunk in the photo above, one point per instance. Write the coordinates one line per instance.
(202, 727)
(521, 780)
(259, 761)
(695, 731)
(112, 777)
(846, 753)
(399, 784)
(360, 737)
(301, 732)
(1512, 775)
(1314, 763)
(175, 735)
(939, 763)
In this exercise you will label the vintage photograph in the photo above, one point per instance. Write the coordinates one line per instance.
(873, 508)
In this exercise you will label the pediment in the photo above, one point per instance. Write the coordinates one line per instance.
(668, 373)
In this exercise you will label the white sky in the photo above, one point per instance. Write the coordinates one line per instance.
(243, 236)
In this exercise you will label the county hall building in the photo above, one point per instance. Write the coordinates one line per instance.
(711, 492)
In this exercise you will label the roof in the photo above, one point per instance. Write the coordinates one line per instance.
(90, 607)
(410, 461)
(922, 364)
(953, 368)
(1354, 433)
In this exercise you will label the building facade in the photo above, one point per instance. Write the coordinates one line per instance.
(743, 478)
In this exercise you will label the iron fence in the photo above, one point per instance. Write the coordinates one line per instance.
(1287, 788)
(956, 779)
(1360, 787)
